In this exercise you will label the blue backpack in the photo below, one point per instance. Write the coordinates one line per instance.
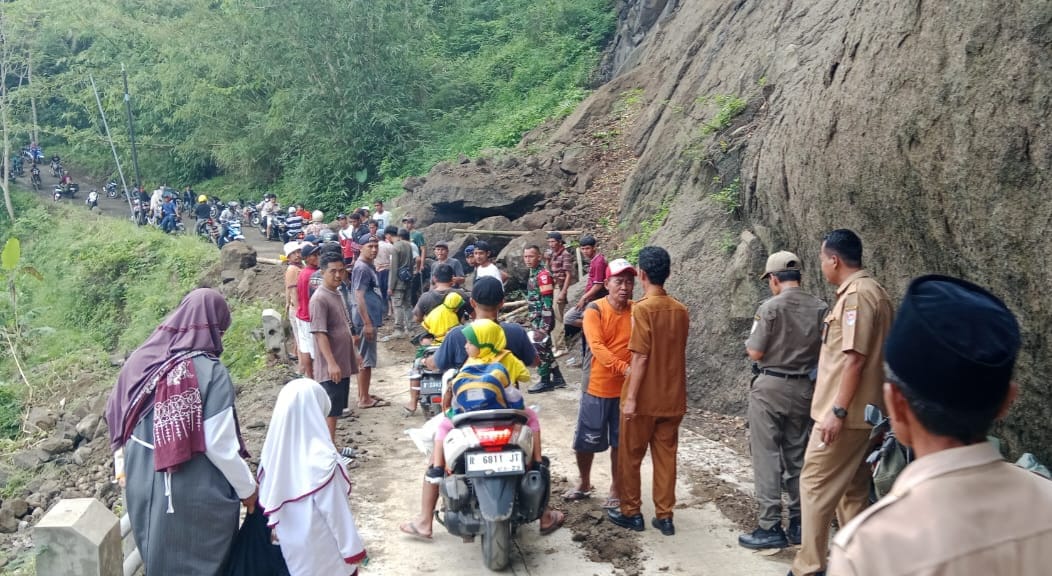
(482, 387)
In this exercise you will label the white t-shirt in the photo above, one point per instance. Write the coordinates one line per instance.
(488, 270)
(382, 220)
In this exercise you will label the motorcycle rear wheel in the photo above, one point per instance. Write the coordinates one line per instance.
(496, 544)
(255, 220)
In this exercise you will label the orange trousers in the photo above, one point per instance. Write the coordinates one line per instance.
(661, 435)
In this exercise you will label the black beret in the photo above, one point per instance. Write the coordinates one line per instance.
(487, 291)
(953, 343)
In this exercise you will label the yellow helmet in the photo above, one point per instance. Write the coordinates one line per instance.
(202, 199)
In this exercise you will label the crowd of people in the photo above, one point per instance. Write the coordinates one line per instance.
(941, 368)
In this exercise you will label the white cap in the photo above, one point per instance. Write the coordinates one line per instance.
(291, 247)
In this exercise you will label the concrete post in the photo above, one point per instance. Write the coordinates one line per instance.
(78, 536)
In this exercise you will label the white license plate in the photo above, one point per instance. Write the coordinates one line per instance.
(495, 462)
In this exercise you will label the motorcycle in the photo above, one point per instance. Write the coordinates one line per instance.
(233, 232)
(251, 214)
(277, 228)
(215, 207)
(887, 455)
(430, 381)
(56, 193)
(111, 189)
(490, 491)
(207, 230)
(56, 168)
(72, 188)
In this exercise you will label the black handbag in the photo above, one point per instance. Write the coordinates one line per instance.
(253, 554)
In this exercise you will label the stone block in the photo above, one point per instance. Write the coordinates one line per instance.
(87, 426)
(273, 331)
(78, 536)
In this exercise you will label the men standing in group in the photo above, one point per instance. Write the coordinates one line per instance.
(484, 265)
(958, 508)
(560, 264)
(654, 399)
(783, 345)
(540, 289)
(331, 328)
(442, 257)
(368, 317)
(835, 477)
(607, 327)
(309, 254)
(401, 261)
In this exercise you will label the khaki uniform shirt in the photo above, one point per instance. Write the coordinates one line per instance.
(787, 329)
(961, 511)
(858, 322)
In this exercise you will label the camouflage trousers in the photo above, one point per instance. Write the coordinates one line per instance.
(544, 349)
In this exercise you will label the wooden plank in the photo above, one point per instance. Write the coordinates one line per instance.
(507, 232)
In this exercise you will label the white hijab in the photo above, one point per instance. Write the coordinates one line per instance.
(298, 457)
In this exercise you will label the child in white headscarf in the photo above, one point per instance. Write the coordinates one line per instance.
(303, 486)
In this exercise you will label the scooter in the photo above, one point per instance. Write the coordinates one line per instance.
(430, 400)
(111, 189)
(56, 193)
(233, 232)
(491, 492)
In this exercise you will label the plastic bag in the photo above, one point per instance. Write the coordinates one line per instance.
(253, 554)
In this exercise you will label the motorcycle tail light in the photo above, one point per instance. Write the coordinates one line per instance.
(436, 399)
(492, 436)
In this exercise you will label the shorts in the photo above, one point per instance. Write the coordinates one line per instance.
(304, 338)
(598, 424)
(367, 350)
(338, 394)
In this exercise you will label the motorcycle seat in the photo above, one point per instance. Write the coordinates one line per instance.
(479, 416)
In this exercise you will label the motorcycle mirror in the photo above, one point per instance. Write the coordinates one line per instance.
(873, 415)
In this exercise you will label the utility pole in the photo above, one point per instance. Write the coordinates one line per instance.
(131, 130)
(116, 159)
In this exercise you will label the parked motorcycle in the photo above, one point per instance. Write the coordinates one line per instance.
(250, 214)
(72, 188)
(887, 457)
(111, 189)
(491, 491)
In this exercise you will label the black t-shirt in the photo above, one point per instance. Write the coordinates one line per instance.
(203, 211)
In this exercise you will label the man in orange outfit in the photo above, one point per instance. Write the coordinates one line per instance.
(607, 326)
(654, 399)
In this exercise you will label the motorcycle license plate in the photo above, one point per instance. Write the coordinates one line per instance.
(486, 463)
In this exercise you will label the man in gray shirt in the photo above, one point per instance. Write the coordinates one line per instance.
(368, 316)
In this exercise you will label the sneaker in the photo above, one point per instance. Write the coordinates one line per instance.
(434, 475)
(560, 352)
(794, 532)
(761, 539)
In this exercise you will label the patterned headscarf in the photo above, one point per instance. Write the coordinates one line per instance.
(487, 336)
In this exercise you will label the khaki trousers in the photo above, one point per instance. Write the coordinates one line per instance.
(779, 421)
(836, 480)
(661, 435)
(559, 333)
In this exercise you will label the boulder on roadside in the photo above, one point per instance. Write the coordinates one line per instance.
(17, 506)
(510, 258)
(236, 256)
(56, 445)
(87, 426)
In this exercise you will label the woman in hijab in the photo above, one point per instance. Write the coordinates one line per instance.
(303, 486)
(175, 437)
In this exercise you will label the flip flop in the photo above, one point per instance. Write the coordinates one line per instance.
(407, 413)
(409, 529)
(376, 404)
(612, 503)
(375, 397)
(574, 494)
(558, 523)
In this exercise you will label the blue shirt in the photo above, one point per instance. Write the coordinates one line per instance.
(168, 208)
(364, 279)
(453, 355)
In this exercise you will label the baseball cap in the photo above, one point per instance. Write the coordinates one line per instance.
(442, 244)
(483, 246)
(367, 238)
(292, 209)
(341, 216)
(555, 236)
(470, 249)
(781, 262)
(620, 266)
(487, 291)
(587, 240)
(291, 247)
(308, 249)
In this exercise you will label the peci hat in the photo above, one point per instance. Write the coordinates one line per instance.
(555, 236)
(487, 291)
(292, 247)
(781, 262)
(620, 266)
(308, 249)
(953, 344)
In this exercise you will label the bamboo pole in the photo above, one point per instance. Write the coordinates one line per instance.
(507, 232)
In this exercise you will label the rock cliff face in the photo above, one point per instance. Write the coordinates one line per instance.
(761, 125)
(921, 125)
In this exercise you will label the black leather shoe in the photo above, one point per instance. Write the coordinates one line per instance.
(630, 522)
(665, 525)
(794, 532)
(761, 539)
(557, 378)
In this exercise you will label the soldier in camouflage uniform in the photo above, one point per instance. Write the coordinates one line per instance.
(540, 290)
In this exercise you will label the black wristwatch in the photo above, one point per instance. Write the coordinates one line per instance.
(839, 412)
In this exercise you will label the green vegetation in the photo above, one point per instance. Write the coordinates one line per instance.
(104, 285)
(727, 107)
(729, 197)
(729, 243)
(636, 242)
(323, 101)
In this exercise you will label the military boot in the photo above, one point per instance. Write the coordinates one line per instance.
(557, 378)
(545, 385)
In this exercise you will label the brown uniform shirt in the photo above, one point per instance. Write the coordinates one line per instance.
(858, 322)
(961, 511)
(788, 330)
(659, 331)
